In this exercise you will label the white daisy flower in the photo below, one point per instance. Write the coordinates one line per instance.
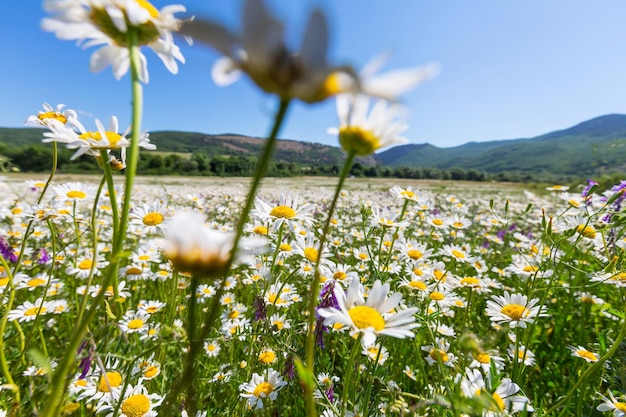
(106, 23)
(514, 309)
(137, 402)
(376, 316)
(288, 210)
(261, 388)
(612, 404)
(502, 398)
(52, 115)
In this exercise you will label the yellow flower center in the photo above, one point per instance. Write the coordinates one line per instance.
(85, 264)
(587, 231)
(620, 406)
(114, 380)
(16, 210)
(437, 296)
(133, 270)
(260, 230)
(135, 324)
(364, 317)
(153, 219)
(414, 254)
(360, 141)
(267, 357)
(76, 194)
(514, 311)
(482, 357)
(408, 194)
(52, 115)
(111, 137)
(419, 285)
(279, 324)
(154, 12)
(146, 32)
(311, 254)
(35, 282)
(285, 247)
(151, 371)
(263, 389)
(583, 353)
(619, 277)
(439, 355)
(4, 281)
(469, 281)
(437, 222)
(136, 405)
(339, 275)
(530, 268)
(283, 212)
(458, 224)
(363, 256)
(458, 254)
(34, 311)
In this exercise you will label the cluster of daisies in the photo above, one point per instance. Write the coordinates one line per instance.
(423, 295)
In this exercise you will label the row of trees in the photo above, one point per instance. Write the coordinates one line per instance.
(38, 159)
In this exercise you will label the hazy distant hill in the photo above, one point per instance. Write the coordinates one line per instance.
(592, 147)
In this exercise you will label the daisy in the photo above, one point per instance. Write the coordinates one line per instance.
(581, 352)
(150, 217)
(28, 311)
(288, 210)
(279, 322)
(376, 353)
(52, 115)
(85, 264)
(484, 360)
(501, 398)
(372, 317)
(260, 388)
(212, 348)
(439, 351)
(522, 354)
(385, 218)
(612, 404)
(363, 132)
(408, 193)
(267, 356)
(92, 142)
(194, 248)
(74, 191)
(514, 309)
(106, 23)
(134, 322)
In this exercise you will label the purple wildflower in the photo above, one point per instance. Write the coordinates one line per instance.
(327, 299)
(42, 256)
(260, 311)
(7, 251)
(290, 370)
(585, 194)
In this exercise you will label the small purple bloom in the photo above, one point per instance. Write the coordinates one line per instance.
(260, 311)
(290, 371)
(42, 256)
(7, 251)
(327, 299)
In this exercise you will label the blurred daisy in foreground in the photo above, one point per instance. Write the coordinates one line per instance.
(262, 388)
(376, 316)
(106, 23)
(193, 247)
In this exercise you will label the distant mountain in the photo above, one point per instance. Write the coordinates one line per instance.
(596, 146)
(593, 147)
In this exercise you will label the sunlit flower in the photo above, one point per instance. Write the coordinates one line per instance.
(378, 315)
(514, 309)
(581, 352)
(52, 115)
(150, 217)
(439, 352)
(28, 311)
(193, 247)
(288, 210)
(92, 142)
(74, 191)
(109, 23)
(134, 322)
(137, 402)
(262, 388)
(362, 131)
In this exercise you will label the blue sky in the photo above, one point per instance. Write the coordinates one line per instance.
(509, 69)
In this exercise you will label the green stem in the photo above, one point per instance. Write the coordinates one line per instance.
(108, 177)
(314, 290)
(59, 378)
(3, 360)
(349, 371)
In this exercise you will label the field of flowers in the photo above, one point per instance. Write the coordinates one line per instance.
(433, 302)
(134, 297)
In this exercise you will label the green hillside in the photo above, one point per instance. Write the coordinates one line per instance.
(597, 146)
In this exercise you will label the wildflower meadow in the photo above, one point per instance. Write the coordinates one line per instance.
(136, 297)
